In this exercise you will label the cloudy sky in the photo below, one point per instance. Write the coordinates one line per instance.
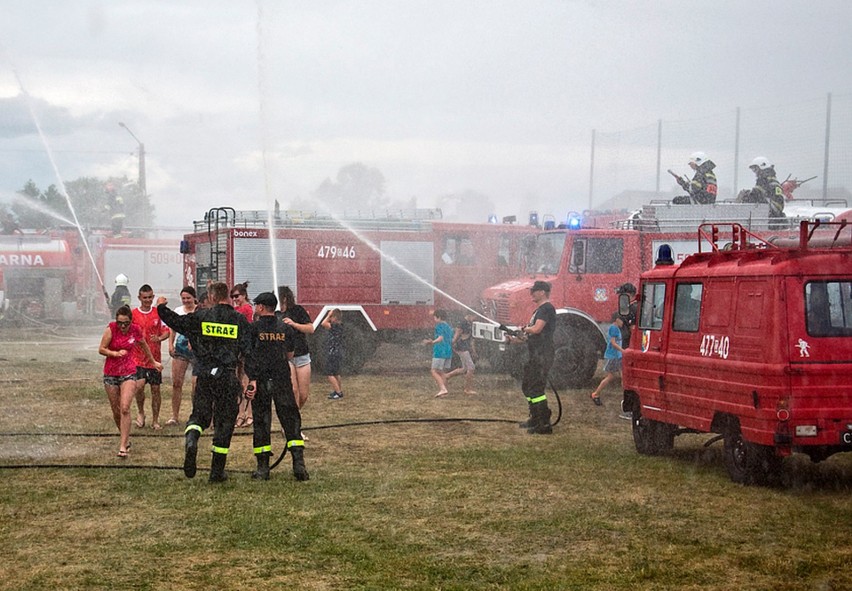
(442, 96)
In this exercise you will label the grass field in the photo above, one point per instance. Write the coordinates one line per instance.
(398, 505)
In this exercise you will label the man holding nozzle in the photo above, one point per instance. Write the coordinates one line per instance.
(538, 335)
(220, 336)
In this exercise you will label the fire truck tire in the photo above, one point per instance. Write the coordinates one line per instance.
(750, 463)
(574, 365)
(650, 437)
(359, 347)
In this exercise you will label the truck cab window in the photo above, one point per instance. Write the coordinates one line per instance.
(828, 308)
(687, 308)
(458, 250)
(653, 302)
(597, 256)
(547, 253)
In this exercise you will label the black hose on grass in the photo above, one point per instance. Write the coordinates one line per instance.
(180, 435)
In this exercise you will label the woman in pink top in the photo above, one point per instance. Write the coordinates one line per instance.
(241, 303)
(117, 344)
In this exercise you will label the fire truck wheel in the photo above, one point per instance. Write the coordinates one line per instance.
(750, 463)
(574, 365)
(650, 437)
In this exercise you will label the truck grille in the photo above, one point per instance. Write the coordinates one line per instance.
(497, 310)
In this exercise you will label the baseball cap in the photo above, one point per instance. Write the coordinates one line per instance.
(267, 298)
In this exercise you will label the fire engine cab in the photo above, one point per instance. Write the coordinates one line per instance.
(750, 339)
(585, 267)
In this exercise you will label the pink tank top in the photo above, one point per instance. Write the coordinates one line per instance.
(122, 366)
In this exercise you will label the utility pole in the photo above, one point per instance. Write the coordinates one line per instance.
(142, 184)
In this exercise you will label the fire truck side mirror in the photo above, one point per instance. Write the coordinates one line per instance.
(184, 247)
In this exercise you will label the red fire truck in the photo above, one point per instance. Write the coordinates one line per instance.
(752, 341)
(48, 276)
(585, 267)
(386, 273)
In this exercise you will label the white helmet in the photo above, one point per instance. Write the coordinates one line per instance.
(698, 158)
(761, 163)
(121, 279)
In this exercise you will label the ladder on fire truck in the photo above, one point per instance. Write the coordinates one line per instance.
(391, 219)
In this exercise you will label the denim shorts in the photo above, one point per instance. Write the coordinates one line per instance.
(612, 365)
(301, 360)
(441, 364)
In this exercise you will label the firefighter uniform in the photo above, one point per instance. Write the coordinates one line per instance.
(702, 188)
(273, 340)
(541, 353)
(220, 336)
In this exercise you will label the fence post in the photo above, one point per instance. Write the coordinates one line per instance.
(827, 138)
(659, 152)
(736, 151)
(592, 173)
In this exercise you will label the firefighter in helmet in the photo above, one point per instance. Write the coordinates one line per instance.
(702, 188)
(766, 189)
(121, 295)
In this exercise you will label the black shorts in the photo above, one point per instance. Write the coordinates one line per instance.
(152, 376)
(332, 365)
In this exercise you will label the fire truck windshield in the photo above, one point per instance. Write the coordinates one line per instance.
(546, 253)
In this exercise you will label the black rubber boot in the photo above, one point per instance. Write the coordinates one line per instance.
(217, 468)
(541, 420)
(191, 447)
(299, 470)
(262, 472)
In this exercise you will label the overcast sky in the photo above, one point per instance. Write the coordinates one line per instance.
(442, 96)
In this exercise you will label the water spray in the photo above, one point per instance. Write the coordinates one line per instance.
(29, 102)
(264, 142)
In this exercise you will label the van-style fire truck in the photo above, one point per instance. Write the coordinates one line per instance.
(386, 272)
(749, 339)
(585, 267)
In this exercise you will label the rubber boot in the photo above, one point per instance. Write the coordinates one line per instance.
(299, 470)
(262, 472)
(191, 447)
(541, 420)
(217, 468)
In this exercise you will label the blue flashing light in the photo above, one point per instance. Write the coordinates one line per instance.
(533, 218)
(664, 255)
(575, 221)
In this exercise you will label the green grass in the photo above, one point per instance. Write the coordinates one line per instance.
(404, 506)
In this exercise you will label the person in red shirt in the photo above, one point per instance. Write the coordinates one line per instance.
(154, 332)
(120, 341)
